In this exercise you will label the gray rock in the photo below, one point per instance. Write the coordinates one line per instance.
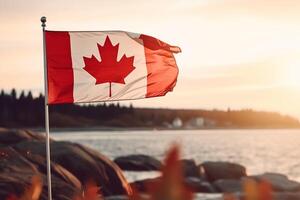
(198, 185)
(143, 185)
(279, 182)
(190, 168)
(286, 196)
(138, 163)
(228, 185)
(204, 196)
(123, 197)
(193, 183)
(274, 196)
(119, 197)
(223, 170)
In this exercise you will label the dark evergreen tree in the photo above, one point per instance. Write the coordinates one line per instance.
(13, 94)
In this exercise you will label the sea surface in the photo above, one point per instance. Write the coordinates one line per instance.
(258, 150)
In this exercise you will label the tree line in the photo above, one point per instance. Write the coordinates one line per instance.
(24, 110)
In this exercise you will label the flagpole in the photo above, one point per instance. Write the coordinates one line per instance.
(43, 20)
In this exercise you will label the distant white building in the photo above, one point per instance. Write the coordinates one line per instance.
(167, 125)
(177, 123)
(210, 123)
(198, 122)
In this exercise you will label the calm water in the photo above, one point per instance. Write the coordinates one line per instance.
(259, 150)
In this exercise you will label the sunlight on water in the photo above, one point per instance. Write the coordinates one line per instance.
(258, 150)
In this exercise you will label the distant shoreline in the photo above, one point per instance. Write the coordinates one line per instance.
(26, 111)
(103, 129)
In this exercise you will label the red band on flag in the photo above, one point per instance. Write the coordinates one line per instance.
(161, 66)
(59, 64)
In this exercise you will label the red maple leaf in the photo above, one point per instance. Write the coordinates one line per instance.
(109, 70)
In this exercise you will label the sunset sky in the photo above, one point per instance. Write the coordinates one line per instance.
(237, 54)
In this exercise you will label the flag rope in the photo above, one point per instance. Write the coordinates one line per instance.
(43, 20)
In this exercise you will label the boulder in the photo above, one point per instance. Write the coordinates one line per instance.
(16, 174)
(223, 170)
(198, 185)
(193, 183)
(12, 136)
(138, 163)
(23, 156)
(274, 196)
(143, 185)
(201, 196)
(279, 182)
(228, 185)
(190, 168)
(123, 197)
(56, 170)
(118, 197)
(86, 164)
(286, 196)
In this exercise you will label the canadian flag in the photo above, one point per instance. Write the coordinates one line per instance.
(106, 66)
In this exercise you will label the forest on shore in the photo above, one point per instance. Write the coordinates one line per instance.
(25, 111)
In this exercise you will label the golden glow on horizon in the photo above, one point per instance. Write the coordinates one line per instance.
(291, 74)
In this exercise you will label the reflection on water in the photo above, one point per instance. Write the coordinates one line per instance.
(259, 150)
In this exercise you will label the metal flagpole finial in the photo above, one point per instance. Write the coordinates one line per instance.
(43, 20)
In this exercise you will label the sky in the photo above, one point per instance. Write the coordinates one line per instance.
(238, 54)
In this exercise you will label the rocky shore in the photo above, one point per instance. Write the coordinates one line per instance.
(208, 179)
(22, 156)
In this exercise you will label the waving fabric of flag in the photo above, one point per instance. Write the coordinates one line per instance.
(105, 66)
